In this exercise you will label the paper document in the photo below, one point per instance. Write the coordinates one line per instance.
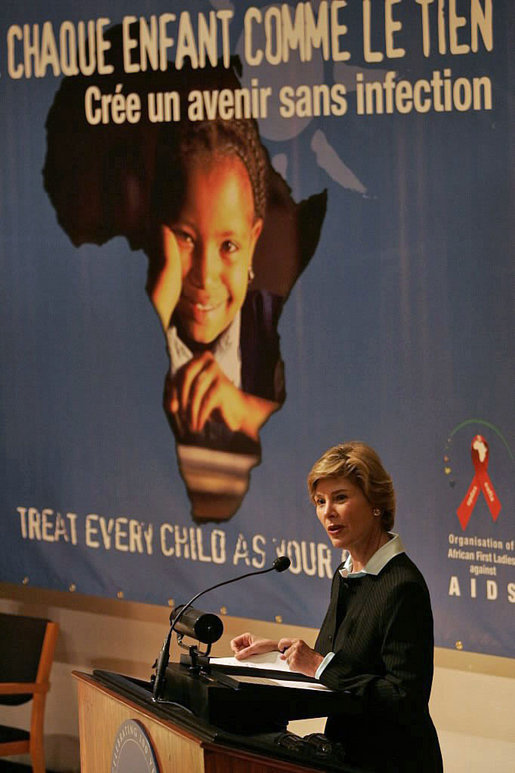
(291, 683)
(267, 660)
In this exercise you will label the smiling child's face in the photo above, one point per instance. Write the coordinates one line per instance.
(216, 232)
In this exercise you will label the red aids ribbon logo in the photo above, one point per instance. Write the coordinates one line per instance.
(480, 481)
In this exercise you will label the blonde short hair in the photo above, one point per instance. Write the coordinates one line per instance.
(362, 466)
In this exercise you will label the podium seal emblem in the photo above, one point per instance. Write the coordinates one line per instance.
(132, 750)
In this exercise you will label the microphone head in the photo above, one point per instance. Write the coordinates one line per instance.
(281, 564)
(196, 624)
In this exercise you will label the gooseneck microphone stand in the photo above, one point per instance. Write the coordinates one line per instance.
(280, 565)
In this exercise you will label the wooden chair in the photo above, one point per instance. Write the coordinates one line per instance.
(27, 647)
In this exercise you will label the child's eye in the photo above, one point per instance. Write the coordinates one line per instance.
(228, 247)
(319, 502)
(341, 497)
(183, 237)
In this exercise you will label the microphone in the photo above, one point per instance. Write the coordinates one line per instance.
(199, 625)
(280, 565)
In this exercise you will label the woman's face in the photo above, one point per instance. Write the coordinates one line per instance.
(216, 232)
(346, 514)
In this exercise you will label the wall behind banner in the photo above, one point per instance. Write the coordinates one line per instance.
(397, 330)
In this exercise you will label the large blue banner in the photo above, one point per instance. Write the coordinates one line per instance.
(232, 235)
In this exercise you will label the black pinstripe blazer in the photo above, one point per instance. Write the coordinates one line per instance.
(381, 630)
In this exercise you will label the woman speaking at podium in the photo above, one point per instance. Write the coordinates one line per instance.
(376, 639)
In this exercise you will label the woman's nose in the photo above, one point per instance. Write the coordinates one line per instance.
(328, 509)
(206, 265)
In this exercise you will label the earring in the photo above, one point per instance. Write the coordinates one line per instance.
(251, 274)
(376, 512)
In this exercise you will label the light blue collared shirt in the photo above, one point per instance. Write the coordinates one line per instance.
(374, 565)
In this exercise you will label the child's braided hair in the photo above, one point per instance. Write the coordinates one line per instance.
(237, 137)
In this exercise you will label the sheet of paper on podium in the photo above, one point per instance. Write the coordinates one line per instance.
(266, 662)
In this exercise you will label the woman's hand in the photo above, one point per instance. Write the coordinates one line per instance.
(166, 288)
(200, 388)
(299, 656)
(247, 644)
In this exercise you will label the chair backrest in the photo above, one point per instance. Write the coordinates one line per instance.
(21, 643)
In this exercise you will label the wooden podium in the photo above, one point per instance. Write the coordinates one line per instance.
(178, 746)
